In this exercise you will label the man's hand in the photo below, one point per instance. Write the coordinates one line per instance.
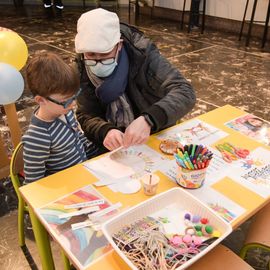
(137, 132)
(113, 139)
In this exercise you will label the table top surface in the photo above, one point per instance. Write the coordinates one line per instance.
(51, 188)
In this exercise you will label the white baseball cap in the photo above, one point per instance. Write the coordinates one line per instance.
(98, 31)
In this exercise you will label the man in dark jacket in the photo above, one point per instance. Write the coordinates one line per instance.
(128, 89)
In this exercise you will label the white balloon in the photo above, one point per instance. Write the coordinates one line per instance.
(11, 84)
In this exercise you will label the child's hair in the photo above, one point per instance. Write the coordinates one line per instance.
(48, 74)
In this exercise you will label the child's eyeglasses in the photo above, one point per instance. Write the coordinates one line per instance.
(66, 103)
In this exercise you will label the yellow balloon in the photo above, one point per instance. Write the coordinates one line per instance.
(13, 50)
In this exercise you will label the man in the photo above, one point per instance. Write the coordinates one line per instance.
(128, 89)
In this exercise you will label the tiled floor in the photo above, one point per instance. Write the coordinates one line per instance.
(221, 69)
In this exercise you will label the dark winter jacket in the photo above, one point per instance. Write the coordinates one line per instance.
(154, 87)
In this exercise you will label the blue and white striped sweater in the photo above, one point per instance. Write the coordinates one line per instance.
(53, 146)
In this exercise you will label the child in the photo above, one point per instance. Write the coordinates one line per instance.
(54, 140)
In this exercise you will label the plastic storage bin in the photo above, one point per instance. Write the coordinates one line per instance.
(177, 197)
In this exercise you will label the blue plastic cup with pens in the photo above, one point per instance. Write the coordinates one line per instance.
(192, 161)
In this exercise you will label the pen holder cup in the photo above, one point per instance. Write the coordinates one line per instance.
(150, 186)
(191, 179)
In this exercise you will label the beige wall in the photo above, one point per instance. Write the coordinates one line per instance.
(230, 9)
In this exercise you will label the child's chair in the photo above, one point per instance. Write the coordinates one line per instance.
(220, 257)
(16, 167)
(258, 235)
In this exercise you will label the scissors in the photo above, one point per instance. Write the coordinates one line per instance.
(227, 156)
(240, 152)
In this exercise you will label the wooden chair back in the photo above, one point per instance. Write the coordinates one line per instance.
(15, 131)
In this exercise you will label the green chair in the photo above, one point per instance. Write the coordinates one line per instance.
(258, 235)
(16, 169)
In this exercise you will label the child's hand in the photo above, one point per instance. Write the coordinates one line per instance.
(113, 139)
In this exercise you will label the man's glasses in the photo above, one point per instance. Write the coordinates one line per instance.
(108, 61)
(66, 103)
(92, 62)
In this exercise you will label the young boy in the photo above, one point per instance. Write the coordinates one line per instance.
(54, 140)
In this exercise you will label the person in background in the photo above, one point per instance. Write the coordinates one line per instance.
(49, 3)
(54, 140)
(129, 90)
(195, 13)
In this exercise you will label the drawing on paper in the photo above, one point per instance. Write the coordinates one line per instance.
(248, 163)
(195, 132)
(222, 211)
(127, 164)
(137, 160)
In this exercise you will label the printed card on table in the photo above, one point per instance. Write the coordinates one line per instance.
(84, 245)
(253, 172)
(194, 132)
(253, 127)
(223, 206)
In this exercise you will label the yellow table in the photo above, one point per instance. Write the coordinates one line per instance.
(51, 188)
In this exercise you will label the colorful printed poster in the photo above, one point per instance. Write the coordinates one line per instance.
(193, 132)
(253, 127)
(253, 172)
(84, 245)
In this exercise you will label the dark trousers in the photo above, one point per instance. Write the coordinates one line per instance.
(195, 14)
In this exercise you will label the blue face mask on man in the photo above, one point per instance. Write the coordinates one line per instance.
(102, 70)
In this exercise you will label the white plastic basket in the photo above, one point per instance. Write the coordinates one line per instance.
(177, 196)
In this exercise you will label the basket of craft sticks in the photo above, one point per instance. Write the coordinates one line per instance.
(171, 230)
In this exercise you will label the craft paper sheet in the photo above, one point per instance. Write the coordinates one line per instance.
(194, 132)
(253, 127)
(84, 245)
(253, 172)
(131, 164)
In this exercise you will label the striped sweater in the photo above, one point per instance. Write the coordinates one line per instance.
(53, 146)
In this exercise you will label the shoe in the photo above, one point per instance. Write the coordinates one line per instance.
(195, 27)
(47, 4)
(59, 7)
(58, 4)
